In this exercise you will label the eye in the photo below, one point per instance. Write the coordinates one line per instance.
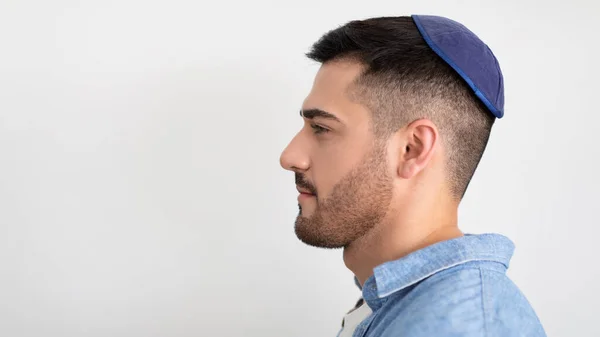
(317, 129)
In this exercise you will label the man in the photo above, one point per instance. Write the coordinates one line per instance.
(395, 125)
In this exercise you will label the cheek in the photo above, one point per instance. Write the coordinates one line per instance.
(330, 167)
(325, 171)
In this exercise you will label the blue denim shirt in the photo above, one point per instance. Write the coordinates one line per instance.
(453, 288)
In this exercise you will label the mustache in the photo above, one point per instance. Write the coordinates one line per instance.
(302, 182)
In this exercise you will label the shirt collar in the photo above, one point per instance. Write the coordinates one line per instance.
(393, 276)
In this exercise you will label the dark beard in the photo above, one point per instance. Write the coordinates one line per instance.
(357, 204)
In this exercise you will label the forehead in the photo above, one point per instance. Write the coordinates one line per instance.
(331, 90)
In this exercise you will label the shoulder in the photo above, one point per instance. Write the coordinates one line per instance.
(469, 300)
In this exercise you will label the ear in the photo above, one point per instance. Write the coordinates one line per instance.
(420, 140)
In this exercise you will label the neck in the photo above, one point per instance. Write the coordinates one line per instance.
(402, 232)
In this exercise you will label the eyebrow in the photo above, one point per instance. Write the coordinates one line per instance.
(314, 113)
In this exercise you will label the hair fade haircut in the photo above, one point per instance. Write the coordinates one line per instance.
(404, 80)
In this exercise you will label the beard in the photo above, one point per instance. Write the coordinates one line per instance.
(357, 203)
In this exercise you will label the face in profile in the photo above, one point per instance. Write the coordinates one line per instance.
(340, 167)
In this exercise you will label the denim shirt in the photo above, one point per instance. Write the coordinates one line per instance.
(453, 288)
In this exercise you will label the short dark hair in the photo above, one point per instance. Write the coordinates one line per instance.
(404, 80)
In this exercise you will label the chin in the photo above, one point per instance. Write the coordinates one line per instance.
(309, 232)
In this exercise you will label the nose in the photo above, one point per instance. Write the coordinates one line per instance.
(295, 157)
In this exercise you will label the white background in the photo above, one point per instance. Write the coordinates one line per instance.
(140, 189)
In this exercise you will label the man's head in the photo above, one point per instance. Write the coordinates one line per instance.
(386, 118)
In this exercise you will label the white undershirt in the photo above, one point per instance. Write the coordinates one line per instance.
(353, 319)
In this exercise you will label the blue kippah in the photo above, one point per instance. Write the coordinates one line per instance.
(468, 56)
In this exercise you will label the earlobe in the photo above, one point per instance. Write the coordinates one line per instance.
(406, 171)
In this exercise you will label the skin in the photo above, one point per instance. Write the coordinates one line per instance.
(377, 198)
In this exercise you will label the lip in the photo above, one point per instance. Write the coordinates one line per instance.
(303, 191)
(305, 196)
